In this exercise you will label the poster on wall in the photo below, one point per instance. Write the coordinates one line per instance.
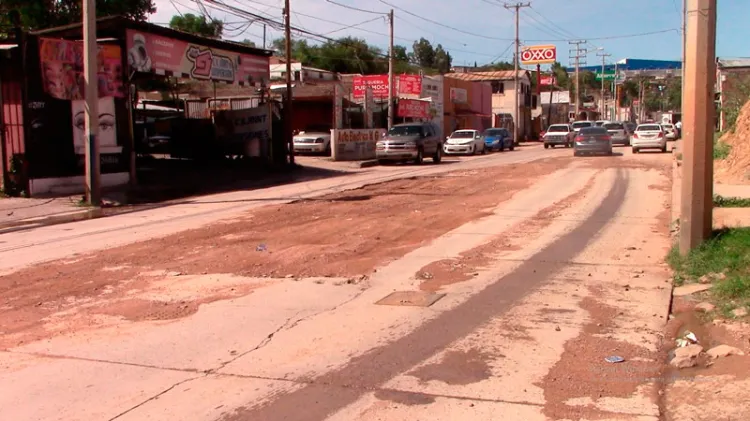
(413, 108)
(107, 124)
(62, 69)
(161, 55)
(378, 84)
(410, 84)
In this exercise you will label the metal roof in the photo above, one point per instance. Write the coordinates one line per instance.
(733, 62)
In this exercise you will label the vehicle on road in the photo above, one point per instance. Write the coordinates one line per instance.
(669, 131)
(592, 140)
(559, 134)
(498, 139)
(464, 142)
(618, 132)
(649, 136)
(315, 140)
(630, 126)
(578, 125)
(410, 142)
(600, 123)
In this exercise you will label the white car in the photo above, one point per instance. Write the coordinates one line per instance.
(649, 136)
(669, 131)
(312, 142)
(468, 142)
(578, 125)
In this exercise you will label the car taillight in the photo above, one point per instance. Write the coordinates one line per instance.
(661, 134)
(579, 138)
(635, 135)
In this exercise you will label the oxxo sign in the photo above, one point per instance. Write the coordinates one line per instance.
(539, 54)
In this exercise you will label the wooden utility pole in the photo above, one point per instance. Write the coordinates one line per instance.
(604, 65)
(391, 87)
(90, 70)
(684, 38)
(516, 63)
(579, 54)
(696, 202)
(288, 116)
(264, 37)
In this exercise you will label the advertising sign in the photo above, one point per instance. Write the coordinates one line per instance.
(410, 84)
(548, 81)
(413, 108)
(153, 53)
(459, 96)
(538, 54)
(378, 83)
(354, 144)
(62, 69)
(245, 130)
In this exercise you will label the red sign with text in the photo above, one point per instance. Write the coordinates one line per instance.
(410, 84)
(378, 83)
(413, 108)
(547, 80)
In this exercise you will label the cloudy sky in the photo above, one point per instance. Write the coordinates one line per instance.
(482, 30)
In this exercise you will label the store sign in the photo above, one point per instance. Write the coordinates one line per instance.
(538, 54)
(410, 84)
(459, 96)
(548, 81)
(243, 125)
(62, 69)
(378, 84)
(608, 75)
(413, 108)
(154, 53)
(354, 144)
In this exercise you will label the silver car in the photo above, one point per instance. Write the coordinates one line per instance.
(618, 132)
(592, 140)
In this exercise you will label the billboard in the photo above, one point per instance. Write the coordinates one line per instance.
(62, 69)
(378, 84)
(162, 55)
(410, 84)
(547, 80)
(539, 54)
(413, 108)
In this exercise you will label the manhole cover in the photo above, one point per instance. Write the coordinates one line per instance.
(410, 298)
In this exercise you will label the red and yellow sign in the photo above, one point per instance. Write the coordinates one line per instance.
(539, 54)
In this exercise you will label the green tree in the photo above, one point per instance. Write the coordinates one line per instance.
(442, 61)
(41, 14)
(248, 43)
(198, 25)
(423, 54)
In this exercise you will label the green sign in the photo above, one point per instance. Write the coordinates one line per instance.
(608, 75)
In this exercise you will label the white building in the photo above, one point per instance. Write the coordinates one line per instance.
(303, 74)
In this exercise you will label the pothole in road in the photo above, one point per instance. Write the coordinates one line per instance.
(410, 298)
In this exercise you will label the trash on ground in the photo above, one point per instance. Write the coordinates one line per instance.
(688, 338)
(614, 359)
(261, 247)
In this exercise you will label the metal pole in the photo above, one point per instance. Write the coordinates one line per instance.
(93, 180)
(390, 72)
(288, 115)
(264, 36)
(696, 201)
(516, 60)
(578, 86)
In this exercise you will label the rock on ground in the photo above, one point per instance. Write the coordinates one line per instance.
(686, 357)
(723, 351)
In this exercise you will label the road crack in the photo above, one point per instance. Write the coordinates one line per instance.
(157, 396)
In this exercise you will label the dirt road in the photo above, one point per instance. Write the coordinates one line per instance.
(492, 291)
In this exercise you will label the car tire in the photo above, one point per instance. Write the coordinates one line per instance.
(438, 157)
(501, 147)
(420, 157)
(327, 152)
(664, 149)
(382, 162)
(635, 150)
(484, 150)
(609, 152)
(512, 147)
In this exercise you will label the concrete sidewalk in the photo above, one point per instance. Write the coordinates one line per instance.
(14, 209)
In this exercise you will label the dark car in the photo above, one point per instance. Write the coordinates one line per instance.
(593, 140)
(410, 142)
(498, 139)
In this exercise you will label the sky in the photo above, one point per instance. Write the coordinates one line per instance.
(482, 31)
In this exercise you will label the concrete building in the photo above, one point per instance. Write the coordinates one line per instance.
(732, 88)
(502, 86)
(303, 74)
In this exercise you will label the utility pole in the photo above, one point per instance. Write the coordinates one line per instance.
(580, 54)
(288, 136)
(391, 87)
(616, 94)
(90, 70)
(696, 201)
(604, 65)
(684, 38)
(264, 36)
(516, 62)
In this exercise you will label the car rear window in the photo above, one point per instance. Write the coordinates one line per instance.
(558, 129)
(649, 128)
(593, 131)
(493, 132)
(580, 124)
(614, 126)
(405, 130)
(462, 135)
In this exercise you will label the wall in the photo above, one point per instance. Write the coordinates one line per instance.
(735, 91)
(432, 87)
(451, 108)
(354, 144)
(304, 74)
(307, 113)
(503, 103)
(12, 115)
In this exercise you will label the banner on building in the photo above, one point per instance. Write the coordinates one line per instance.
(168, 56)
(548, 80)
(459, 96)
(354, 144)
(413, 108)
(378, 84)
(410, 84)
(62, 69)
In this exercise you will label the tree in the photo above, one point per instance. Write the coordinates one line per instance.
(42, 14)
(423, 54)
(442, 61)
(198, 25)
(248, 43)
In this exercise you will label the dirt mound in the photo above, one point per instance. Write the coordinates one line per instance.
(735, 168)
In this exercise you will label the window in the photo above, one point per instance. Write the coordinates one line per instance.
(297, 75)
(498, 87)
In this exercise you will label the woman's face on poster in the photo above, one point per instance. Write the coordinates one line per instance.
(54, 74)
(107, 133)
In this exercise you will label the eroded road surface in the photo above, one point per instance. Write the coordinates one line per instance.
(460, 292)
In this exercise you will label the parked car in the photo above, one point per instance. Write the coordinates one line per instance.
(592, 140)
(669, 131)
(649, 136)
(464, 142)
(600, 123)
(313, 140)
(578, 125)
(618, 132)
(498, 139)
(410, 142)
(559, 134)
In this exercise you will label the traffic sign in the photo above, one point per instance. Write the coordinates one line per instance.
(608, 75)
(539, 54)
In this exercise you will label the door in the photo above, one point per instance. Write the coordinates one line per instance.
(430, 140)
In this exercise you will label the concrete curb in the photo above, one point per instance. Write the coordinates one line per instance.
(368, 164)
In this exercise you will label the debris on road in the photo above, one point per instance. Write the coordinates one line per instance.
(261, 247)
(688, 338)
(686, 357)
(614, 359)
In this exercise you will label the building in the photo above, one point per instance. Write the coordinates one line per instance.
(553, 108)
(502, 88)
(732, 88)
(303, 74)
(630, 67)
